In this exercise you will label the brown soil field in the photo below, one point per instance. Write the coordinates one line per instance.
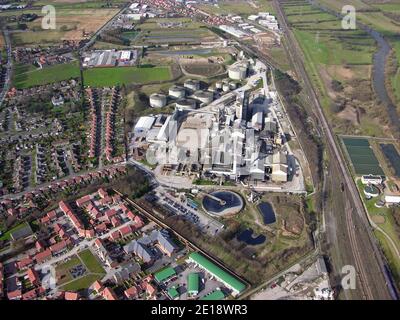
(378, 219)
(203, 69)
(88, 20)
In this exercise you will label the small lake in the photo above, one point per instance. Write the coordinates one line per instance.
(392, 156)
(247, 237)
(267, 212)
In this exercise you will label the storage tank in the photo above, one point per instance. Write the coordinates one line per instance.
(192, 84)
(158, 100)
(177, 92)
(184, 104)
(237, 71)
(204, 96)
(225, 87)
(232, 85)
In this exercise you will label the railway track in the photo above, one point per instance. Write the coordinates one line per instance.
(297, 58)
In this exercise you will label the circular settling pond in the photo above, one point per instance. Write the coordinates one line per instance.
(222, 203)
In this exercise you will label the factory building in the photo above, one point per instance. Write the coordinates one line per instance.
(143, 125)
(371, 179)
(279, 173)
(233, 31)
(257, 121)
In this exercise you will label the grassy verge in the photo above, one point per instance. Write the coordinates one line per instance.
(29, 78)
(103, 77)
(91, 262)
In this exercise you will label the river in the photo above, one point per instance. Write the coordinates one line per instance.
(378, 72)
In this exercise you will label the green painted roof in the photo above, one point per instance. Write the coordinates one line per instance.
(215, 295)
(165, 274)
(193, 283)
(217, 271)
(173, 293)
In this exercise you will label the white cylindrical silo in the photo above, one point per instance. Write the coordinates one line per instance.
(184, 104)
(192, 84)
(177, 92)
(237, 71)
(158, 100)
(204, 96)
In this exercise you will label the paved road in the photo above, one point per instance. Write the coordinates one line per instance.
(369, 249)
(7, 79)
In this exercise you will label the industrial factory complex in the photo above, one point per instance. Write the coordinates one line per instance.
(231, 130)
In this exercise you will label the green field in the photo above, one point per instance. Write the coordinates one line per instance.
(25, 77)
(94, 271)
(362, 156)
(238, 7)
(62, 270)
(103, 77)
(91, 262)
(81, 283)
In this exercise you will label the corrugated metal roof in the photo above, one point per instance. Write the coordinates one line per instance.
(165, 274)
(217, 271)
(215, 295)
(193, 283)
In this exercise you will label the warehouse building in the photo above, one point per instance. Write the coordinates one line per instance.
(143, 125)
(228, 280)
(165, 274)
(371, 179)
(215, 295)
(193, 284)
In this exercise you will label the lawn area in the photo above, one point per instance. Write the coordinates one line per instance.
(388, 224)
(388, 227)
(91, 262)
(374, 19)
(25, 77)
(7, 235)
(62, 271)
(102, 77)
(238, 7)
(82, 283)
